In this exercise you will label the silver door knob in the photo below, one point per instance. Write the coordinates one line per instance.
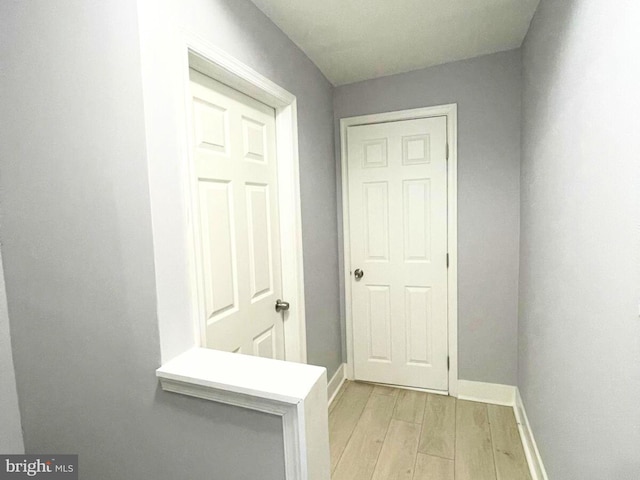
(358, 274)
(282, 306)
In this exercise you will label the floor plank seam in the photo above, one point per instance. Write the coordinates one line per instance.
(415, 462)
(351, 434)
(455, 436)
(493, 447)
(437, 456)
(386, 434)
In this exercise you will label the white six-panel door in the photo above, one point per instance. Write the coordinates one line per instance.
(237, 232)
(398, 233)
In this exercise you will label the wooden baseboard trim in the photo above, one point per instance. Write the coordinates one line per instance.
(333, 387)
(536, 467)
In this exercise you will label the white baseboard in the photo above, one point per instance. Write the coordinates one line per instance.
(333, 387)
(534, 460)
(487, 392)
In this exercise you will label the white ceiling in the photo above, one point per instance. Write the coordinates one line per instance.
(352, 40)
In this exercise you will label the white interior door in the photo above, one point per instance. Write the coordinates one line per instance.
(237, 232)
(398, 233)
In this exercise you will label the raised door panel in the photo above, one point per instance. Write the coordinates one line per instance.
(375, 153)
(259, 230)
(264, 345)
(376, 221)
(218, 245)
(415, 149)
(254, 140)
(211, 126)
(417, 220)
(379, 322)
(418, 325)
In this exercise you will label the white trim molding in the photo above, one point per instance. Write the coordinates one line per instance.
(494, 393)
(293, 391)
(168, 129)
(449, 111)
(536, 467)
(336, 382)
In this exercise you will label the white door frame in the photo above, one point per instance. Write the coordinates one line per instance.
(220, 66)
(449, 111)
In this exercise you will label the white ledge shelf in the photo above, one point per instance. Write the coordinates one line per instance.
(296, 392)
(260, 378)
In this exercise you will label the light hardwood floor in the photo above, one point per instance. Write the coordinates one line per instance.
(384, 433)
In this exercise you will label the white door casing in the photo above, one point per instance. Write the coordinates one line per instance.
(236, 228)
(397, 195)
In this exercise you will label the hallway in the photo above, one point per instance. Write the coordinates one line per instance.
(441, 194)
(385, 433)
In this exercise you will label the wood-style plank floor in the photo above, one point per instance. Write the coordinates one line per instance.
(384, 433)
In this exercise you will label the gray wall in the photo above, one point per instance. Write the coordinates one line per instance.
(78, 250)
(10, 429)
(487, 91)
(580, 252)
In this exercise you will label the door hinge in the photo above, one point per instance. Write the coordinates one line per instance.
(448, 363)
(447, 260)
(447, 151)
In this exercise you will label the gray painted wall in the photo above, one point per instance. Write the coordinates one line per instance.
(487, 91)
(78, 247)
(10, 429)
(580, 257)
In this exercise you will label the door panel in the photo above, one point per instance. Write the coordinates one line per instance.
(418, 313)
(216, 204)
(416, 210)
(398, 229)
(376, 211)
(379, 315)
(259, 226)
(237, 231)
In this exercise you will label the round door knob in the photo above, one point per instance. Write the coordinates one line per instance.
(282, 306)
(358, 274)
